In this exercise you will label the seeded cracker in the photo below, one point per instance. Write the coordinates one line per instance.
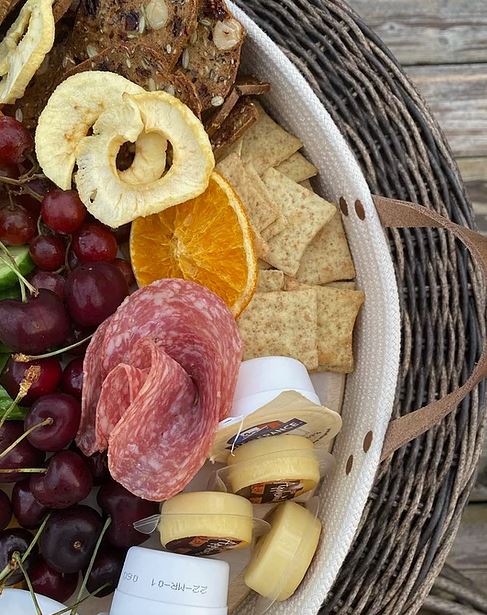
(163, 24)
(337, 312)
(270, 280)
(328, 257)
(266, 144)
(297, 168)
(261, 213)
(144, 66)
(306, 214)
(212, 56)
(307, 184)
(281, 323)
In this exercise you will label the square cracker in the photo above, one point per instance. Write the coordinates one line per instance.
(306, 215)
(327, 258)
(266, 144)
(297, 168)
(281, 323)
(307, 184)
(260, 210)
(270, 280)
(338, 309)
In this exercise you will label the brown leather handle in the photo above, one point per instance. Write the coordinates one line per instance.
(399, 214)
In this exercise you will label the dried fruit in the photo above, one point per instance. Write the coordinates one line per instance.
(103, 189)
(24, 48)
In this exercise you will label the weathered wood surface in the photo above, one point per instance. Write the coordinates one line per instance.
(474, 173)
(429, 31)
(457, 95)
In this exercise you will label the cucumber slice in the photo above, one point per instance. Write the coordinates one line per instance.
(8, 279)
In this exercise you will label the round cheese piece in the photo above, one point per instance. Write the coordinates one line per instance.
(205, 523)
(283, 556)
(273, 469)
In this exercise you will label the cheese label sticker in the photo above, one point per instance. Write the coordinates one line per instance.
(271, 492)
(202, 545)
(263, 430)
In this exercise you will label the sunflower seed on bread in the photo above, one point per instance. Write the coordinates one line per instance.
(144, 66)
(212, 57)
(164, 24)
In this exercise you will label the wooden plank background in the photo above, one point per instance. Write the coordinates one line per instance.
(443, 46)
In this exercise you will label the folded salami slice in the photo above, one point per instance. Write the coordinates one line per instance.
(187, 341)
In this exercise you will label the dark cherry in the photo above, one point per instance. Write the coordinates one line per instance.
(77, 335)
(47, 252)
(27, 510)
(48, 381)
(49, 280)
(63, 211)
(69, 538)
(15, 140)
(94, 242)
(12, 541)
(125, 508)
(67, 481)
(16, 225)
(65, 412)
(93, 292)
(72, 381)
(5, 510)
(49, 582)
(24, 455)
(107, 569)
(126, 268)
(122, 233)
(34, 326)
(98, 464)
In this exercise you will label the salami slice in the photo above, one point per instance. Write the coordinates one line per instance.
(119, 389)
(188, 341)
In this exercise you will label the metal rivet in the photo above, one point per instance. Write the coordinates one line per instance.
(343, 206)
(359, 209)
(368, 441)
(349, 466)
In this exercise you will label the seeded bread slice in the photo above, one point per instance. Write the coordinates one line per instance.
(242, 116)
(144, 66)
(167, 25)
(212, 57)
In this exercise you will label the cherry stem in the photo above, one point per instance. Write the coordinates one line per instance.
(7, 571)
(26, 358)
(76, 604)
(48, 421)
(93, 557)
(31, 375)
(11, 264)
(18, 561)
(24, 470)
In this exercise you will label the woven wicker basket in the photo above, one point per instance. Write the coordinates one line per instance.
(416, 504)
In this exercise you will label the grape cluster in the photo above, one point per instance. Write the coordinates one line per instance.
(77, 283)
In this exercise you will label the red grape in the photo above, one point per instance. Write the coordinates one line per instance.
(126, 268)
(30, 204)
(93, 292)
(15, 541)
(34, 326)
(73, 260)
(5, 510)
(125, 508)
(49, 582)
(94, 242)
(16, 225)
(50, 281)
(65, 412)
(69, 538)
(15, 140)
(24, 455)
(63, 211)
(47, 252)
(107, 569)
(72, 381)
(27, 510)
(67, 481)
(49, 378)
(11, 171)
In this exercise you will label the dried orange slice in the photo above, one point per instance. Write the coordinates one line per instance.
(207, 239)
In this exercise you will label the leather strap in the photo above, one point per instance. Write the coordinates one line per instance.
(399, 214)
